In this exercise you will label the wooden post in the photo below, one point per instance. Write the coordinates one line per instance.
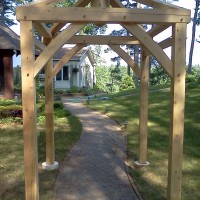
(100, 3)
(8, 75)
(50, 163)
(177, 112)
(144, 82)
(29, 111)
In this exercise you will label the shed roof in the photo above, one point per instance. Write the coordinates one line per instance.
(76, 57)
(9, 40)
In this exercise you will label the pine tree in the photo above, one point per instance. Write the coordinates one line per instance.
(8, 8)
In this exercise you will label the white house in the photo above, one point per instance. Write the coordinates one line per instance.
(78, 72)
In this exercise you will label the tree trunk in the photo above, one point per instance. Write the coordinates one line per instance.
(193, 36)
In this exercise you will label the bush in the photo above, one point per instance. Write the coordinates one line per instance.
(10, 111)
(190, 78)
(127, 84)
(7, 102)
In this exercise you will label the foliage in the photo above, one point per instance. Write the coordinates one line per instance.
(7, 102)
(126, 84)
(158, 76)
(67, 131)
(152, 180)
(7, 10)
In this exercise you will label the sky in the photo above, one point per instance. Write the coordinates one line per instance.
(189, 4)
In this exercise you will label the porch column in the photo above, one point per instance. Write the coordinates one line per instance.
(29, 111)
(8, 75)
(143, 126)
(50, 163)
(177, 112)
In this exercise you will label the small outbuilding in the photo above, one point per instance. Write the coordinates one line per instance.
(9, 45)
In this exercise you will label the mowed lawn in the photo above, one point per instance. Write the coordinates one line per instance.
(152, 180)
(67, 131)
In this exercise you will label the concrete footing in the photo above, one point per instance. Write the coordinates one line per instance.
(142, 164)
(46, 166)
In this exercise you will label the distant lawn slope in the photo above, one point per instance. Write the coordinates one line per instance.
(152, 180)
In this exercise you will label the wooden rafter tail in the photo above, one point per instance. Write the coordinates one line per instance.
(42, 29)
(157, 29)
(152, 47)
(55, 45)
(159, 4)
(66, 58)
(126, 58)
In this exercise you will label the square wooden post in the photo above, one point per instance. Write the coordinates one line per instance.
(144, 83)
(8, 75)
(29, 111)
(177, 112)
(50, 163)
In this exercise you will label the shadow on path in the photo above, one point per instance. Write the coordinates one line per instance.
(95, 169)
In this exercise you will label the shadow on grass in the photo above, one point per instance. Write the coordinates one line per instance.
(67, 131)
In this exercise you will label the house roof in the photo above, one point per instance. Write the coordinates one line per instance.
(76, 57)
(9, 40)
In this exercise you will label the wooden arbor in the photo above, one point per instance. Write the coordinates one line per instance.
(161, 16)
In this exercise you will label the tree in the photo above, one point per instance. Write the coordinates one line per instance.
(126, 84)
(7, 10)
(196, 22)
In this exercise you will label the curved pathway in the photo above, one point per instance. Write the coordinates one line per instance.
(95, 169)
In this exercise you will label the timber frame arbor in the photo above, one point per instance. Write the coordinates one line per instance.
(33, 16)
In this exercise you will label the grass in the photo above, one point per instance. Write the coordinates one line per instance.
(67, 132)
(152, 180)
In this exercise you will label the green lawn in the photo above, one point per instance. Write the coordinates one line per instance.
(152, 180)
(67, 131)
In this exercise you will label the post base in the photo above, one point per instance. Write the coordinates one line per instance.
(142, 164)
(46, 166)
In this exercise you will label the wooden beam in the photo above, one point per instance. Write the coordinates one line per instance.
(166, 43)
(101, 40)
(65, 59)
(29, 111)
(126, 58)
(110, 15)
(82, 3)
(152, 47)
(42, 29)
(100, 3)
(157, 29)
(116, 4)
(177, 113)
(54, 46)
(144, 84)
(56, 27)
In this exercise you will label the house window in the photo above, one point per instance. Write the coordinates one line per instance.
(59, 76)
(63, 74)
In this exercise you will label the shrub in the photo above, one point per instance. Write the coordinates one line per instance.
(10, 111)
(190, 78)
(127, 84)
